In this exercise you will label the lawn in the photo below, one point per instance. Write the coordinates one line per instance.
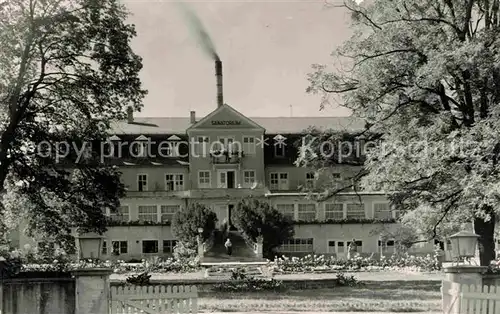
(391, 296)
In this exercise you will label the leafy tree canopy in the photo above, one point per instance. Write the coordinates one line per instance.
(186, 223)
(67, 71)
(425, 74)
(256, 218)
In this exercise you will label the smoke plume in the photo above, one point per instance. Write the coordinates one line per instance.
(199, 30)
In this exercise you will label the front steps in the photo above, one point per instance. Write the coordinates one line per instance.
(241, 252)
(219, 265)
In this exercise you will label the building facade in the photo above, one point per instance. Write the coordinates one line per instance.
(169, 163)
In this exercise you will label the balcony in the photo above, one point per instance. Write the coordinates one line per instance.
(226, 157)
(223, 193)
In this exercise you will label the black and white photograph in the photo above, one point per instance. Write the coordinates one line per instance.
(249, 156)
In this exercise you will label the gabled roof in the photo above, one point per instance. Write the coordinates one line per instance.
(272, 125)
(225, 109)
(174, 138)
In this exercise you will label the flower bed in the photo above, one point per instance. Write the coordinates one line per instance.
(321, 263)
(119, 267)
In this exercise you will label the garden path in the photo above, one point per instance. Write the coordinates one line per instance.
(362, 276)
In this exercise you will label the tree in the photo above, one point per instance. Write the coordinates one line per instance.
(186, 223)
(250, 215)
(67, 72)
(425, 76)
(404, 237)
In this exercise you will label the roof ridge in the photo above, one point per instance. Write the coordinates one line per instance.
(260, 117)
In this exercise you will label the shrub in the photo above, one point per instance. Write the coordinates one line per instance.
(311, 263)
(346, 281)
(185, 224)
(142, 279)
(251, 214)
(183, 252)
(242, 283)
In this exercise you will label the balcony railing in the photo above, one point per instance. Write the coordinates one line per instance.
(226, 157)
(222, 193)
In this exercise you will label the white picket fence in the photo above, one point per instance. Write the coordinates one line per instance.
(470, 299)
(153, 299)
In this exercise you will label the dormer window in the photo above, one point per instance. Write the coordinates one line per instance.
(140, 146)
(171, 149)
(112, 147)
(279, 145)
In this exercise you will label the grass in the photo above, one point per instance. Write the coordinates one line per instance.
(395, 296)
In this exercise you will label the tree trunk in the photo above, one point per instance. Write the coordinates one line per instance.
(486, 241)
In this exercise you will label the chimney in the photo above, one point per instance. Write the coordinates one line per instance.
(218, 75)
(193, 117)
(130, 114)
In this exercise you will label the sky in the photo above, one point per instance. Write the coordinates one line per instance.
(266, 47)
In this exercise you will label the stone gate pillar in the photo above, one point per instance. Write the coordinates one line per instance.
(455, 277)
(92, 290)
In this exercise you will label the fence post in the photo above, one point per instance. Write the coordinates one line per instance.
(457, 276)
(3, 275)
(92, 290)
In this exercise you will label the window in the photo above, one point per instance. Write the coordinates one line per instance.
(279, 146)
(104, 249)
(121, 214)
(440, 243)
(279, 150)
(139, 148)
(168, 212)
(359, 245)
(201, 145)
(388, 247)
(381, 211)
(171, 149)
(336, 176)
(142, 182)
(174, 182)
(288, 210)
(148, 213)
(355, 211)
(335, 246)
(334, 211)
(310, 176)
(226, 144)
(279, 181)
(169, 245)
(204, 179)
(307, 212)
(149, 246)
(248, 145)
(298, 245)
(248, 177)
(119, 247)
(340, 247)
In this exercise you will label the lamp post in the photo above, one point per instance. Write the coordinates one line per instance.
(89, 245)
(91, 283)
(463, 245)
(201, 250)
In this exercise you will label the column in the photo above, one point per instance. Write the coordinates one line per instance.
(92, 290)
(260, 246)
(201, 247)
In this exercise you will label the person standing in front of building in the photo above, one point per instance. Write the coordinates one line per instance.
(229, 247)
(352, 249)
